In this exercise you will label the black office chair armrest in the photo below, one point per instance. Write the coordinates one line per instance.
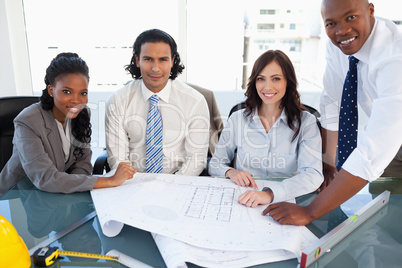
(101, 164)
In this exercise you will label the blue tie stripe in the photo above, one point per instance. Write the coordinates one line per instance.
(153, 123)
(155, 167)
(348, 115)
(154, 138)
(152, 152)
(155, 113)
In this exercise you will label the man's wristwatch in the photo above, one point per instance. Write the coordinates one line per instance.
(265, 189)
(269, 191)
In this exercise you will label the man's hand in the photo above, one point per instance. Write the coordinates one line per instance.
(241, 178)
(288, 213)
(329, 173)
(341, 189)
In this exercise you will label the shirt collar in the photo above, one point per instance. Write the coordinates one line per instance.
(364, 53)
(254, 116)
(163, 94)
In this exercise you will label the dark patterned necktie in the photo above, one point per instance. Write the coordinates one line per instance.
(348, 118)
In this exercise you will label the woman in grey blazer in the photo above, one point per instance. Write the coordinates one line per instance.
(51, 143)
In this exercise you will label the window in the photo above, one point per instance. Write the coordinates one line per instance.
(217, 47)
(265, 26)
(212, 42)
(103, 37)
(267, 11)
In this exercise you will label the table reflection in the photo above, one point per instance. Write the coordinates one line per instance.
(376, 243)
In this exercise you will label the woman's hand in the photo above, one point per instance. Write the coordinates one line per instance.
(124, 171)
(254, 198)
(241, 178)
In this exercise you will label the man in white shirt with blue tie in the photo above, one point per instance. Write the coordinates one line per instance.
(376, 43)
(182, 111)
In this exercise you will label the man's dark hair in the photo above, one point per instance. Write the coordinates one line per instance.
(154, 36)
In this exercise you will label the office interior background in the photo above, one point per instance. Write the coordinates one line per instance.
(218, 41)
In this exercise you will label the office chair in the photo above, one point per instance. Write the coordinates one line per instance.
(101, 165)
(216, 127)
(10, 107)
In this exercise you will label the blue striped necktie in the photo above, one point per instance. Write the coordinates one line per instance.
(348, 117)
(154, 141)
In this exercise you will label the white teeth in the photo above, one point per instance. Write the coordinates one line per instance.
(347, 41)
(269, 95)
(74, 110)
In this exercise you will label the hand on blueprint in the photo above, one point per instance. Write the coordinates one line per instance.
(241, 178)
(124, 171)
(254, 198)
(288, 213)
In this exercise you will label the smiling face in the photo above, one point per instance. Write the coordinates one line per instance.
(155, 62)
(271, 84)
(348, 23)
(70, 95)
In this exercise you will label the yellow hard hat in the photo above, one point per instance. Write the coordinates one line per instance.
(13, 251)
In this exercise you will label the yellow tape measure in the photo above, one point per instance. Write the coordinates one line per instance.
(46, 256)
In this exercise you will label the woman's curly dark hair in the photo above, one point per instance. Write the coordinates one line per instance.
(154, 36)
(69, 63)
(290, 102)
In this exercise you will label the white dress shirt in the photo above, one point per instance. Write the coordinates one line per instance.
(185, 120)
(65, 137)
(379, 95)
(272, 154)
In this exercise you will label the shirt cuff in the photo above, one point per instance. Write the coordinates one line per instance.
(279, 193)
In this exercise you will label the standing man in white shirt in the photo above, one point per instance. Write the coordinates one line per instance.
(376, 43)
(155, 64)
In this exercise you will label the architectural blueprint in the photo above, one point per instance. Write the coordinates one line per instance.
(199, 211)
(176, 253)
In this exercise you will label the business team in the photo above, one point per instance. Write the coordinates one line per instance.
(156, 123)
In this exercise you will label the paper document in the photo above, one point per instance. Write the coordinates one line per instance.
(176, 253)
(200, 211)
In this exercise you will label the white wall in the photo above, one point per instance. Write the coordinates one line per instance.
(15, 74)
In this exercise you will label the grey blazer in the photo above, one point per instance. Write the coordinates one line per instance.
(38, 154)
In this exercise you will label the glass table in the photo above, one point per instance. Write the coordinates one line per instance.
(40, 217)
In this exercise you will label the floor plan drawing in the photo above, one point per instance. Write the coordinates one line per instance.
(211, 203)
(200, 211)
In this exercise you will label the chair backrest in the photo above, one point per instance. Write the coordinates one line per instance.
(10, 107)
(237, 107)
(216, 123)
(315, 113)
